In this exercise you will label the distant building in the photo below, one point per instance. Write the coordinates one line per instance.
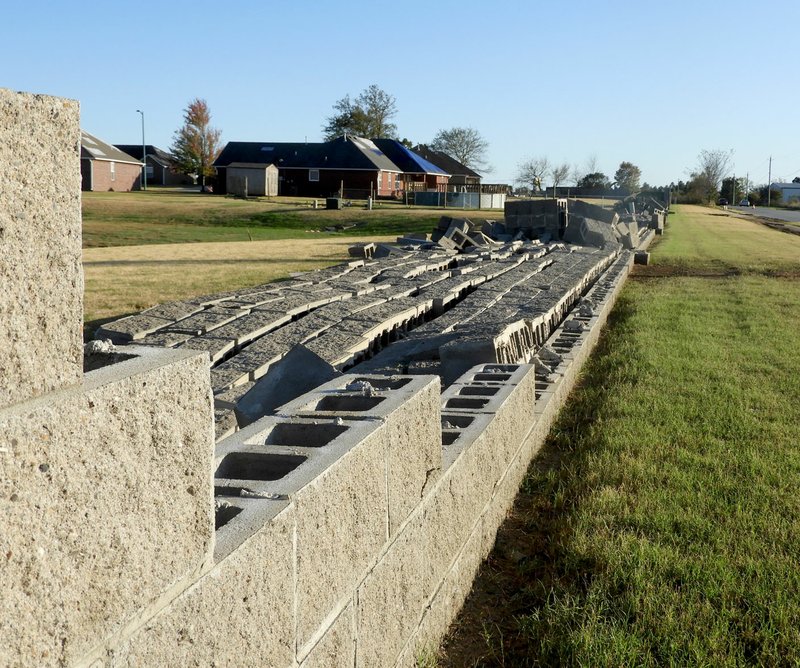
(248, 179)
(460, 175)
(354, 166)
(417, 172)
(788, 191)
(160, 165)
(104, 167)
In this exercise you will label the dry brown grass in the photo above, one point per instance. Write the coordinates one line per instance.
(126, 279)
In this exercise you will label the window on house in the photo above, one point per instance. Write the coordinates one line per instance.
(113, 171)
(313, 175)
(149, 171)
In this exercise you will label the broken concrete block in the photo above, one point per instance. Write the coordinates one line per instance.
(641, 257)
(409, 406)
(448, 244)
(298, 372)
(362, 250)
(587, 210)
(589, 232)
(384, 251)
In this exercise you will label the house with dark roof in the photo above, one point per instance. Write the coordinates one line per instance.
(159, 165)
(460, 175)
(354, 166)
(418, 173)
(104, 167)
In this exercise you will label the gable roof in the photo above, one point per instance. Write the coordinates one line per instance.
(341, 153)
(409, 161)
(154, 152)
(93, 148)
(450, 165)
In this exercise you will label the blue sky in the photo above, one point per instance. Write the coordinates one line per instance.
(652, 83)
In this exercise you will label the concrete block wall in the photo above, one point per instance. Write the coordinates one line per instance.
(105, 477)
(380, 528)
(105, 499)
(345, 530)
(41, 300)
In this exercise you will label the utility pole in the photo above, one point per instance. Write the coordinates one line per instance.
(769, 182)
(144, 154)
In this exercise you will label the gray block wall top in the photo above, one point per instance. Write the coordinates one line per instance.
(275, 457)
(206, 320)
(131, 328)
(163, 339)
(357, 396)
(251, 326)
(216, 347)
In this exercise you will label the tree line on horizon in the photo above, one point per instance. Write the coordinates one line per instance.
(370, 114)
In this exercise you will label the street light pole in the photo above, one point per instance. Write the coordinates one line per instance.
(144, 154)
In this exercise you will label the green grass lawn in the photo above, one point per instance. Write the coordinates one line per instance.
(660, 525)
(171, 216)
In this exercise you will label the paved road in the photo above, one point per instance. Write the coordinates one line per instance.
(790, 216)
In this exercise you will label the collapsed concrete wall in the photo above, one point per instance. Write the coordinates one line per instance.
(346, 528)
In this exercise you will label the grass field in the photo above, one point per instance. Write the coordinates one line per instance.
(660, 525)
(173, 216)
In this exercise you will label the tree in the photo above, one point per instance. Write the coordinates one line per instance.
(712, 166)
(369, 115)
(464, 144)
(627, 177)
(532, 172)
(195, 145)
(559, 173)
(590, 166)
(595, 181)
(729, 193)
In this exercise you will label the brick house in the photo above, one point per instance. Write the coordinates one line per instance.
(460, 175)
(159, 165)
(419, 174)
(353, 165)
(104, 167)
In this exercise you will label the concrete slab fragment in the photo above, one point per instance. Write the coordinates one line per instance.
(298, 372)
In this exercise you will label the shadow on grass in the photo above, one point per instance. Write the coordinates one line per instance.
(532, 556)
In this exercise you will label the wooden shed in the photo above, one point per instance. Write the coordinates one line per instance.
(251, 179)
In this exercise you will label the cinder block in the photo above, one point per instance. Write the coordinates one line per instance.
(409, 406)
(453, 507)
(238, 614)
(392, 598)
(334, 473)
(446, 602)
(106, 498)
(337, 647)
(341, 527)
(41, 299)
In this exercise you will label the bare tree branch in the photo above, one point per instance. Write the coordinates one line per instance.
(465, 145)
